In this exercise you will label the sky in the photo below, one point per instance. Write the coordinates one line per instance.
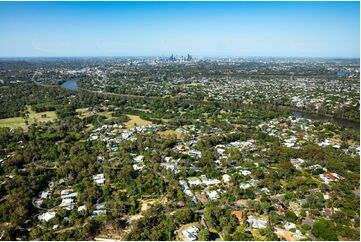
(279, 29)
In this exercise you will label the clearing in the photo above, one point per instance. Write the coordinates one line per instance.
(34, 117)
(135, 120)
(12, 122)
(169, 133)
(84, 112)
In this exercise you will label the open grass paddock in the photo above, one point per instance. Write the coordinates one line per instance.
(41, 117)
(135, 120)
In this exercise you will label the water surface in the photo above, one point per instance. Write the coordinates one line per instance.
(342, 122)
(70, 84)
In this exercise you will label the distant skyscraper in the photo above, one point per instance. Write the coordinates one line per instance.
(172, 58)
(189, 57)
(181, 58)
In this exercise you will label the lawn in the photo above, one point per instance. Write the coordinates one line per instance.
(12, 122)
(108, 115)
(83, 112)
(135, 120)
(33, 117)
(42, 117)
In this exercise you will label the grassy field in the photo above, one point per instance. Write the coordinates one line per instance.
(33, 117)
(81, 110)
(12, 122)
(108, 115)
(135, 120)
(84, 112)
(42, 117)
(170, 132)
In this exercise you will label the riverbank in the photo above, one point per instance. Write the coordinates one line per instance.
(72, 85)
(323, 118)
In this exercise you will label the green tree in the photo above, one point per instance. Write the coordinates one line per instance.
(204, 235)
(325, 230)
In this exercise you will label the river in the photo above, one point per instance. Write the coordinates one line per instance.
(72, 85)
(342, 122)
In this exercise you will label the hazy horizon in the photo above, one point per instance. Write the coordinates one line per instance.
(166, 56)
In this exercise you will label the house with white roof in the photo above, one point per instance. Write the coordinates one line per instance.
(190, 234)
(245, 172)
(257, 223)
(244, 185)
(47, 216)
(139, 158)
(99, 212)
(213, 195)
(170, 166)
(70, 195)
(325, 143)
(99, 179)
(220, 151)
(138, 167)
(184, 184)
(226, 178)
(44, 194)
(195, 153)
(188, 192)
(289, 226)
(65, 192)
(67, 203)
(265, 190)
(194, 181)
(208, 182)
(82, 208)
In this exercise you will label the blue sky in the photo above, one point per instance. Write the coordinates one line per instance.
(307, 29)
